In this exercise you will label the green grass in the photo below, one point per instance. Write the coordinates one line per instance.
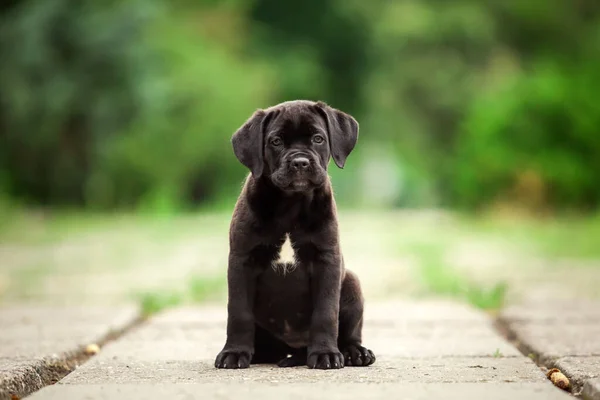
(36, 227)
(566, 236)
(441, 279)
(197, 290)
(555, 238)
(154, 302)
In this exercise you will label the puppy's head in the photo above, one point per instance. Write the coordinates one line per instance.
(291, 143)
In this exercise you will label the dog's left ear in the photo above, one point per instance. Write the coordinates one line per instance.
(247, 143)
(343, 132)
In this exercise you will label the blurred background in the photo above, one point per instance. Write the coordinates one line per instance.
(477, 170)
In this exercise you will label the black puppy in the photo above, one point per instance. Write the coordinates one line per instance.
(305, 309)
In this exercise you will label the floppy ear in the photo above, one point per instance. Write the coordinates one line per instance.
(247, 143)
(343, 132)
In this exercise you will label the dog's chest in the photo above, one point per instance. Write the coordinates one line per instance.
(287, 252)
(283, 305)
(286, 258)
(293, 337)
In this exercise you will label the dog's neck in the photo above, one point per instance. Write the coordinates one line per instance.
(263, 194)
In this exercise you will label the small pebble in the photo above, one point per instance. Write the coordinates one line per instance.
(92, 349)
(558, 379)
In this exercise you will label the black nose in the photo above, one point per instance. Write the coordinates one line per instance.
(300, 163)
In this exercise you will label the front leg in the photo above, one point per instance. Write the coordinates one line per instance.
(241, 285)
(323, 352)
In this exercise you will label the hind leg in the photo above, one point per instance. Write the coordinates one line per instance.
(351, 322)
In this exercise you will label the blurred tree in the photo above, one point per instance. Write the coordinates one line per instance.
(116, 103)
(131, 103)
(336, 38)
(429, 62)
(538, 130)
(68, 82)
(460, 86)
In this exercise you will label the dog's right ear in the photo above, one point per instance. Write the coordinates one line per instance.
(247, 143)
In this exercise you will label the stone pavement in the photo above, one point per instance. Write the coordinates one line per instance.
(591, 389)
(425, 349)
(561, 333)
(39, 345)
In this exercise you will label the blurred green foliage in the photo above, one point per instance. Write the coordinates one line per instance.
(131, 103)
(198, 290)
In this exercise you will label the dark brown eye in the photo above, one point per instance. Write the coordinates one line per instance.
(276, 142)
(318, 139)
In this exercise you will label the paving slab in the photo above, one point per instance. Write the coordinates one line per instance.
(431, 311)
(193, 342)
(39, 345)
(429, 370)
(558, 311)
(415, 354)
(561, 333)
(553, 330)
(552, 341)
(591, 390)
(579, 369)
(321, 390)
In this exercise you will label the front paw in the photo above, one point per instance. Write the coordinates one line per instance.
(231, 359)
(358, 356)
(325, 359)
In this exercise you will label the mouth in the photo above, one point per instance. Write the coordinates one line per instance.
(300, 185)
(296, 182)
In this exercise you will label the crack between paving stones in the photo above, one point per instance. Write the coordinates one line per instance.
(544, 363)
(50, 370)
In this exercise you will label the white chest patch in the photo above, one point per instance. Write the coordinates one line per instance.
(286, 260)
